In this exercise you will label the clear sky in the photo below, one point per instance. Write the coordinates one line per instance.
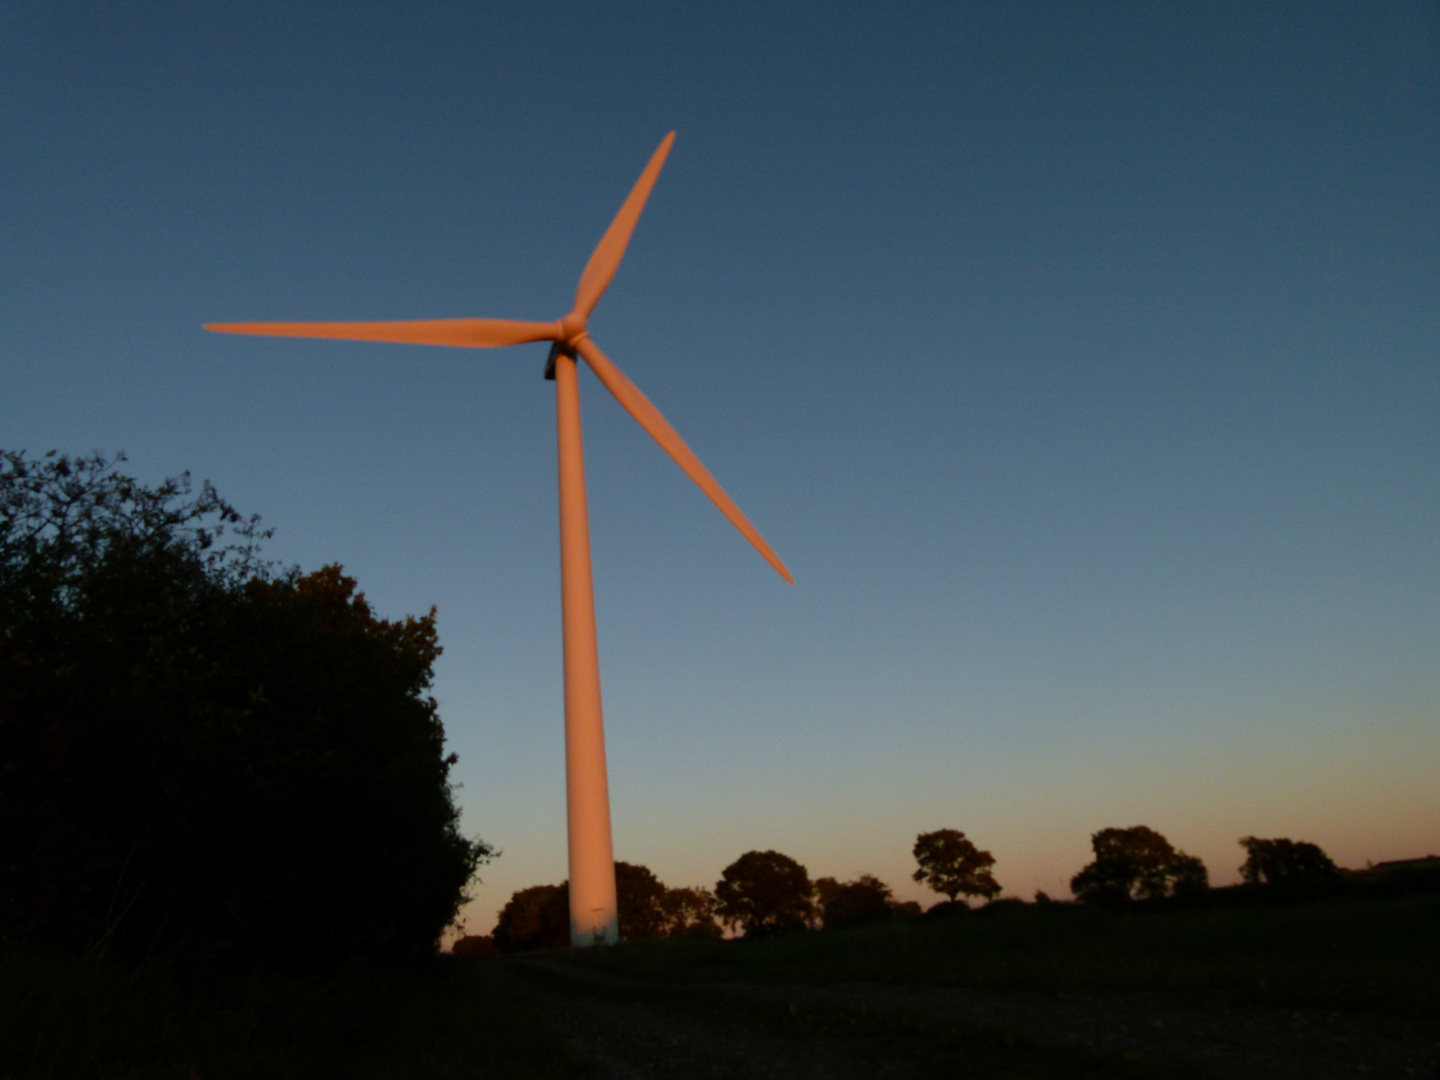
(1082, 362)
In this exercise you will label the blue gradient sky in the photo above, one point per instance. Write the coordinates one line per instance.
(1082, 362)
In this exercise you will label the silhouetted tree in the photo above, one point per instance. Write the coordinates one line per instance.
(867, 899)
(763, 893)
(1136, 864)
(951, 865)
(822, 891)
(638, 894)
(1280, 861)
(1188, 875)
(535, 918)
(539, 917)
(200, 757)
(689, 913)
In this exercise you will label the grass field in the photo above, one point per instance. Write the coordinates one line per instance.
(61, 1018)
(882, 1042)
(1378, 954)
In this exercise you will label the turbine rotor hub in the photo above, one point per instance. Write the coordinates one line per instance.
(568, 333)
(571, 329)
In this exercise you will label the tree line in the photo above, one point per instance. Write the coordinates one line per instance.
(211, 760)
(764, 893)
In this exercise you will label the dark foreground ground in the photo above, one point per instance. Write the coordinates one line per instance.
(622, 1029)
(1335, 989)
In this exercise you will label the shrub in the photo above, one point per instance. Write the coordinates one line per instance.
(205, 759)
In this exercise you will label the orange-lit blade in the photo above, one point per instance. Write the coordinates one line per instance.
(474, 333)
(606, 258)
(649, 418)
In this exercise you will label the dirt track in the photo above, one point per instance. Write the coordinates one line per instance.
(618, 1030)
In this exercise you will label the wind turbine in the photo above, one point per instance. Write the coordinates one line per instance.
(593, 916)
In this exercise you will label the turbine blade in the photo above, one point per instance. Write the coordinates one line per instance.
(472, 333)
(649, 418)
(607, 255)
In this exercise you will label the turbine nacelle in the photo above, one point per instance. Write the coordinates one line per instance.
(556, 349)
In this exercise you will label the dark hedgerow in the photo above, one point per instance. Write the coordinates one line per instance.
(201, 758)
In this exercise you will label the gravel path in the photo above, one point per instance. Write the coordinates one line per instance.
(618, 1029)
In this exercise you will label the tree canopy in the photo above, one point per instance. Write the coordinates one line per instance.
(1136, 864)
(205, 757)
(951, 865)
(539, 917)
(763, 893)
(689, 913)
(639, 895)
(535, 918)
(865, 900)
(1284, 862)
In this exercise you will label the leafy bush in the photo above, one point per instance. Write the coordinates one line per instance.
(206, 759)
